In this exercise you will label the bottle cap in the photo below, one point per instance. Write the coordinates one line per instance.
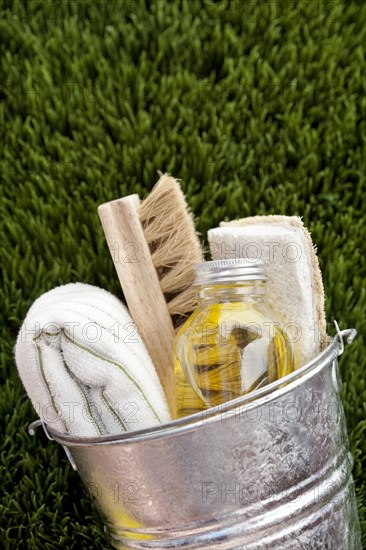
(234, 270)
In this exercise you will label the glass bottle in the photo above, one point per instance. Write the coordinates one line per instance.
(232, 344)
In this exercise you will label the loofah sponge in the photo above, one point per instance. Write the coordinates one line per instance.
(294, 286)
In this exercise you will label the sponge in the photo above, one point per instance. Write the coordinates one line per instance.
(294, 283)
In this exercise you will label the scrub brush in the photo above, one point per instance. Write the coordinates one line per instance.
(154, 246)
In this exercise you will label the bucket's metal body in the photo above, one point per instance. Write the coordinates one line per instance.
(273, 473)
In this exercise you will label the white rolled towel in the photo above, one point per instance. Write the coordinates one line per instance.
(84, 365)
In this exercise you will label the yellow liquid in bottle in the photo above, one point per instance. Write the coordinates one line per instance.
(226, 350)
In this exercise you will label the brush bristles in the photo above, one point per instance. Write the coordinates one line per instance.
(183, 303)
(169, 230)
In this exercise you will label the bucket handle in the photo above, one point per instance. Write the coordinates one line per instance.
(348, 333)
(32, 430)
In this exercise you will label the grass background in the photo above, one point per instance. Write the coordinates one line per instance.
(258, 106)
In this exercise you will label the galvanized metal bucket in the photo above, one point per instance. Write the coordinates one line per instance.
(267, 471)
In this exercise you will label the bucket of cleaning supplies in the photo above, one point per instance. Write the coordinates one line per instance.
(269, 470)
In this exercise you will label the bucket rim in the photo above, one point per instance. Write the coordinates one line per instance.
(212, 415)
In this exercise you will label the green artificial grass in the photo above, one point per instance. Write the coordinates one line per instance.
(259, 108)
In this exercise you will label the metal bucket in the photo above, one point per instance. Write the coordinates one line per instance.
(270, 470)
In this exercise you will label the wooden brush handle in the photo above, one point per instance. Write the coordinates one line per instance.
(140, 284)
